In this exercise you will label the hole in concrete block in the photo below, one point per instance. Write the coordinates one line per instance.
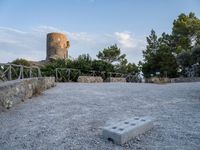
(133, 124)
(121, 129)
(136, 118)
(126, 122)
(143, 120)
(114, 127)
(111, 140)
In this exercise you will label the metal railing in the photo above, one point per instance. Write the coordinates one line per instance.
(13, 72)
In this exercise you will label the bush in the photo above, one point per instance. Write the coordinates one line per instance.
(21, 61)
(85, 65)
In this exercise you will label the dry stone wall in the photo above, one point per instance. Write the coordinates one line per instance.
(192, 79)
(90, 79)
(13, 92)
(157, 80)
(172, 80)
(116, 79)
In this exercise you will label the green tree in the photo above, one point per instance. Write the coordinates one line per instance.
(186, 32)
(102, 68)
(83, 62)
(100, 65)
(152, 46)
(111, 54)
(158, 56)
(196, 54)
(126, 68)
(184, 59)
(166, 61)
(132, 68)
(121, 67)
(149, 64)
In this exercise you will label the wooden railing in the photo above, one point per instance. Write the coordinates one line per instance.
(13, 72)
(70, 74)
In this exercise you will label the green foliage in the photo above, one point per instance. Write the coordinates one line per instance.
(158, 56)
(169, 52)
(16, 70)
(132, 68)
(184, 59)
(187, 59)
(186, 31)
(166, 62)
(100, 65)
(49, 69)
(84, 63)
(196, 54)
(126, 68)
(21, 61)
(111, 54)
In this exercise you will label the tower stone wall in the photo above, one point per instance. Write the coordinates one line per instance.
(57, 46)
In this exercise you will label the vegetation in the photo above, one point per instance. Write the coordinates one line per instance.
(111, 54)
(171, 55)
(196, 54)
(110, 60)
(186, 32)
(158, 57)
(21, 61)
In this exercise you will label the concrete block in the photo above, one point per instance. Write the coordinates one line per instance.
(126, 130)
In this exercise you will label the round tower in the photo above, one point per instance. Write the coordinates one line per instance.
(57, 46)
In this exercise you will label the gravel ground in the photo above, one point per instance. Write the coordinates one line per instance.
(71, 115)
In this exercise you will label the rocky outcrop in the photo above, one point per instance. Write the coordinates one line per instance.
(90, 79)
(13, 92)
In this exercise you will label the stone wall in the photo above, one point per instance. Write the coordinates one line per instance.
(157, 80)
(191, 79)
(172, 80)
(115, 79)
(90, 79)
(13, 92)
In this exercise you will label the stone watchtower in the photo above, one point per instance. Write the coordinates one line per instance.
(57, 46)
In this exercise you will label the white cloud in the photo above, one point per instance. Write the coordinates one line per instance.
(125, 39)
(6, 29)
(131, 45)
(82, 36)
(47, 29)
(31, 44)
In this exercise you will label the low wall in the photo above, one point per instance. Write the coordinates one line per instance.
(115, 79)
(191, 79)
(172, 80)
(90, 79)
(157, 80)
(13, 92)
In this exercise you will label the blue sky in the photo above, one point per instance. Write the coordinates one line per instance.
(90, 25)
